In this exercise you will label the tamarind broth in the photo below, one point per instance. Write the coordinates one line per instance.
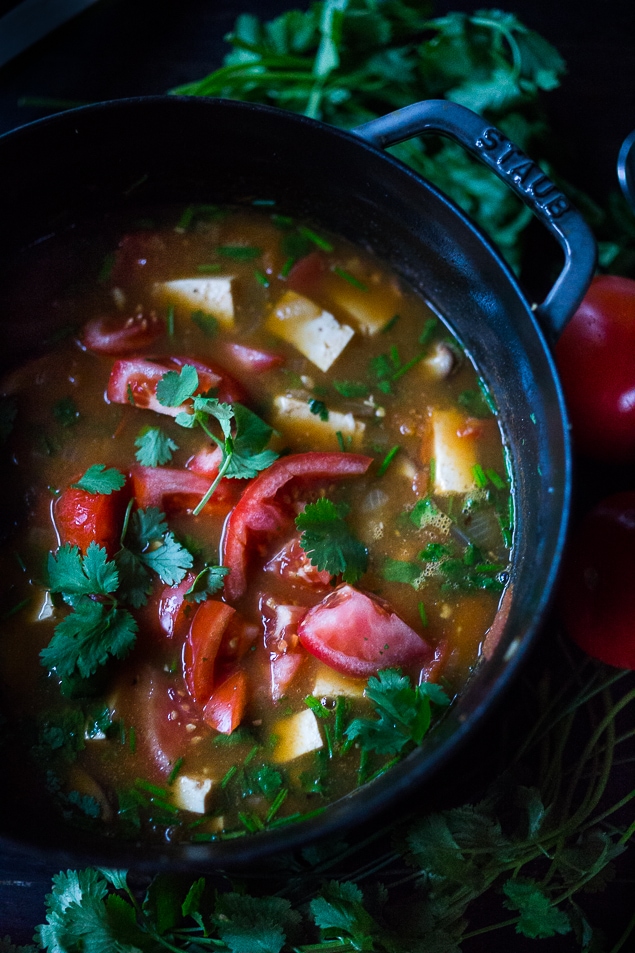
(377, 374)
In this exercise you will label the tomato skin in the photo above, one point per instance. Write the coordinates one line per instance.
(82, 517)
(225, 709)
(176, 491)
(357, 634)
(135, 380)
(595, 356)
(597, 595)
(173, 611)
(293, 565)
(122, 334)
(251, 359)
(258, 512)
(307, 273)
(202, 646)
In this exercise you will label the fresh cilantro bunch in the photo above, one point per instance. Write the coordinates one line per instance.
(349, 61)
(329, 543)
(404, 712)
(244, 452)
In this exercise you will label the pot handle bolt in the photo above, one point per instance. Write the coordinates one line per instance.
(523, 176)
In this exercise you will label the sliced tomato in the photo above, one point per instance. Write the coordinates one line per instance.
(207, 461)
(283, 669)
(225, 709)
(134, 381)
(292, 564)
(166, 717)
(82, 518)
(136, 251)
(263, 509)
(357, 634)
(177, 491)
(202, 645)
(251, 359)
(173, 611)
(120, 334)
(307, 273)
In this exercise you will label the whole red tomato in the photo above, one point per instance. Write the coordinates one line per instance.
(597, 596)
(596, 360)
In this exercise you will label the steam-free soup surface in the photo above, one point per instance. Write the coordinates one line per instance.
(187, 664)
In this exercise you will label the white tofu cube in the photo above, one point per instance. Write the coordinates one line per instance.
(454, 456)
(297, 735)
(192, 794)
(314, 332)
(293, 417)
(212, 295)
(330, 684)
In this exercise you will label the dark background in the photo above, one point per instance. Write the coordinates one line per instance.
(122, 48)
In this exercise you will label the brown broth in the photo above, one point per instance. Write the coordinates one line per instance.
(408, 385)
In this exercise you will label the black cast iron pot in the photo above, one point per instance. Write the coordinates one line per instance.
(77, 164)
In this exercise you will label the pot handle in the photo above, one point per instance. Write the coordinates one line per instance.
(523, 176)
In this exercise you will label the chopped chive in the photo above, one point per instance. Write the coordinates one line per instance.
(263, 202)
(239, 252)
(282, 221)
(277, 804)
(151, 788)
(286, 268)
(228, 776)
(329, 740)
(433, 470)
(352, 280)
(212, 269)
(290, 818)
(487, 397)
(186, 219)
(489, 567)
(203, 837)
(423, 615)
(363, 764)
(406, 367)
(495, 479)
(315, 238)
(428, 330)
(479, 476)
(132, 739)
(261, 278)
(207, 323)
(385, 387)
(340, 440)
(178, 764)
(164, 805)
(350, 389)
(388, 459)
(394, 357)
(316, 706)
(252, 754)
(251, 822)
(17, 608)
(170, 320)
(197, 822)
(18, 558)
(346, 747)
(341, 710)
(231, 835)
(382, 770)
(388, 327)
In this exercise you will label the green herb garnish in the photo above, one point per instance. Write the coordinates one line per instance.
(154, 447)
(328, 542)
(99, 479)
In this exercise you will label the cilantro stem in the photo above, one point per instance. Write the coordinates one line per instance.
(219, 476)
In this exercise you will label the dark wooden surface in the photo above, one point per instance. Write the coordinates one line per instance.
(134, 47)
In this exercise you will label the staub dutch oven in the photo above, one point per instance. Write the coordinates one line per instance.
(76, 164)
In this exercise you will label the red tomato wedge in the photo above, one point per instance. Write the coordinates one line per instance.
(260, 510)
(121, 334)
(226, 708)
(134, 381)
(176, 491)
(207, 461)
(82, 518)
(202, 646)
(283, 669)
(246, 359)
(137, 250)
(357, 634)
(307, 272)
(292, 564)
(173, 611)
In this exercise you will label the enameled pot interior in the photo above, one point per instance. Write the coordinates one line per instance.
(142, 151)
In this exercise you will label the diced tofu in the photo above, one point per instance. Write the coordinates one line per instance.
(454, 456)
(192, 794)
(212, 295)
(330, 684)
(297, 735)
(371, 310)
(293, 417)
(314, 332)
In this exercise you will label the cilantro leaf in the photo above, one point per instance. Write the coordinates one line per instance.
(135, 583)
(253, 924)
(404, 712)
(155, 447)
(148, 526)
(87, 637)
(175, 387)
(170, 560)
(98, 479)
(208, 581)
(339, 912)
(249, 456)
(328, 542)
(75, 575)
(539, 918)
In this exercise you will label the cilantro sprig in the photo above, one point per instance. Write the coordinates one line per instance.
(244, 435)
(100, 479)
(328, 541)
(154, 447)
